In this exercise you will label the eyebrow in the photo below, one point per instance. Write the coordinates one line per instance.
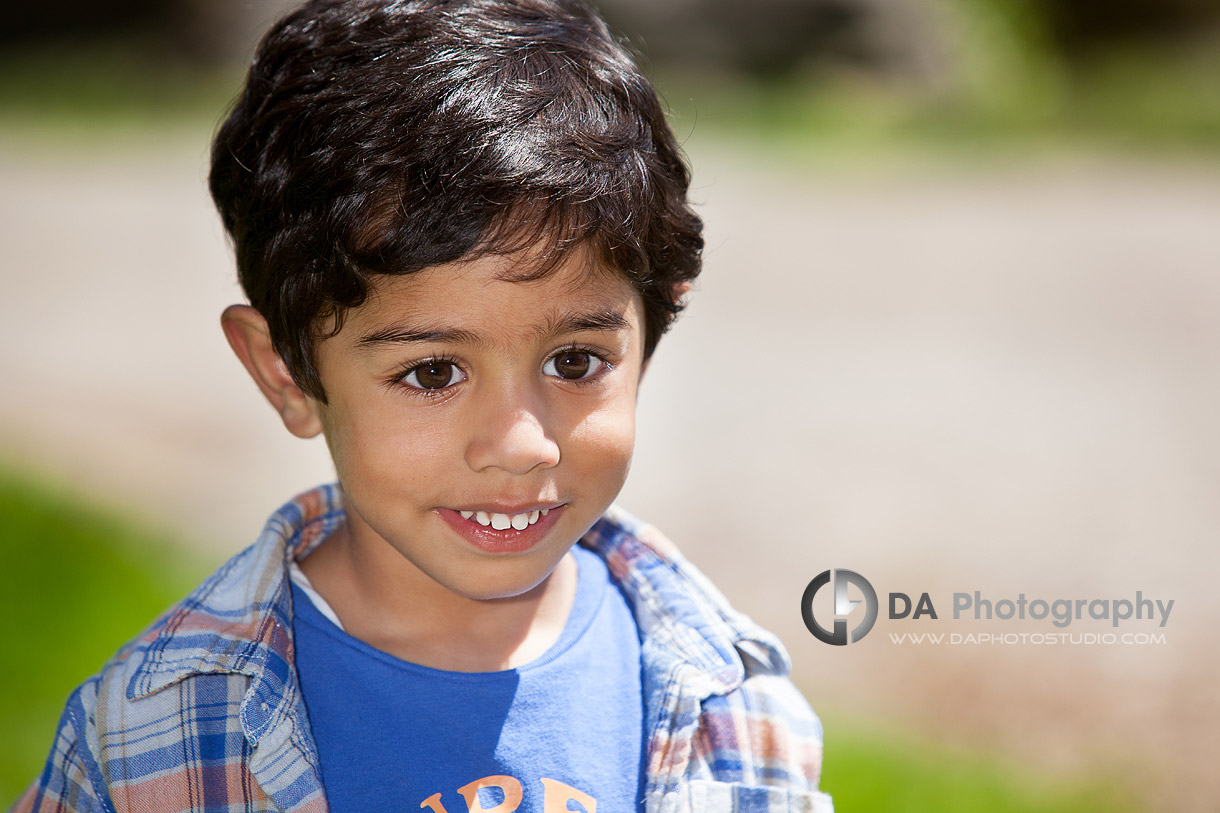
(397, 334)
(598, 320)
(607, 320)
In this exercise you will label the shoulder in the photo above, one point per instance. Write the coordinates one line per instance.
(203, 686)
(179, 681)
(677, 603)
(754, 732)
(122, 731)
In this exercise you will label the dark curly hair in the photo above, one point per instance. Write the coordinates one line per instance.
(385, 136)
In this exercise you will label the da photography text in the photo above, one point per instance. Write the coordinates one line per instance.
(851, 607)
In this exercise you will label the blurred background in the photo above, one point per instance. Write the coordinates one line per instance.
(958, 330)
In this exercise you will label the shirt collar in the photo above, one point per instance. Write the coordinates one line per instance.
(682, 616)
(240, 619)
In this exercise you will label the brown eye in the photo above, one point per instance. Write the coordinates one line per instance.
(573, 365)
(434, 375)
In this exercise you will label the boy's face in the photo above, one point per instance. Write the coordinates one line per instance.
(461, 406)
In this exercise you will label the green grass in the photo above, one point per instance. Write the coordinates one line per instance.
(77, 96)
(869, 770)
(76, 581)
(1133, 103)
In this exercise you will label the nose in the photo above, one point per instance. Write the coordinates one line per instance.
(511, 434)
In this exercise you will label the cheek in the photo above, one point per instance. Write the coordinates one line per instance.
(606, 437)
(378, 448)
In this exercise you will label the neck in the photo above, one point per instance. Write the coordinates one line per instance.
(385, 601)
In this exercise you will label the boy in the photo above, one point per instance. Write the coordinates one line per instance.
(462, 228)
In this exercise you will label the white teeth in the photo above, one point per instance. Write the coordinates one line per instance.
(502, 522)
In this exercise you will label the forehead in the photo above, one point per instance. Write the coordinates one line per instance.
(498, 298)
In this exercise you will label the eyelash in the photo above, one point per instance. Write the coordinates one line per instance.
(398, 379)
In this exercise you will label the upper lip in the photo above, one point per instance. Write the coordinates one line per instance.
(519, 508)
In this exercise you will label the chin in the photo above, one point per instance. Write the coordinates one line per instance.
(499, 586)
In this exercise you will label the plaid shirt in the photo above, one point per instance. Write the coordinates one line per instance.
(203, 711)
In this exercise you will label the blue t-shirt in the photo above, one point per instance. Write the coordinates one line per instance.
(564, 732)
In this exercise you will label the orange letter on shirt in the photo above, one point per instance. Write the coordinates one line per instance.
(510, 786)
(557, 795)
(434, 803)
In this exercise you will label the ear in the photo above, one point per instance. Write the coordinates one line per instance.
(250, 338)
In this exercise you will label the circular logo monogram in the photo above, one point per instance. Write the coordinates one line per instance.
(843, 607)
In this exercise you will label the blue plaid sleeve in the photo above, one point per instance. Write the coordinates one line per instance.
(71, 780)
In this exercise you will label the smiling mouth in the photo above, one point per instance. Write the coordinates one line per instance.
(502, 532)
(502, 522)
